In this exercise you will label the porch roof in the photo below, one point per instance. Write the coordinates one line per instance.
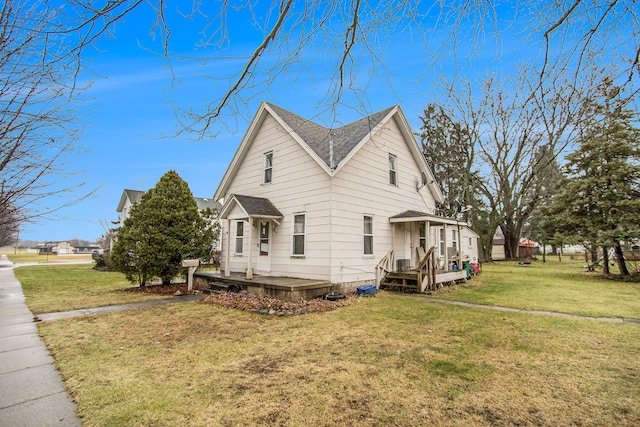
(253, 207)
(416, 216)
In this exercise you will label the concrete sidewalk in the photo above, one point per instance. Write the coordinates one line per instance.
(31, 389)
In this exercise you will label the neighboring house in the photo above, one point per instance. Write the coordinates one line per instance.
(55, 248)
(304, 201)
(90, 249)
(132, 197)
(127, 200)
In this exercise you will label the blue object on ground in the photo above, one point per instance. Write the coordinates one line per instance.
(366, 289)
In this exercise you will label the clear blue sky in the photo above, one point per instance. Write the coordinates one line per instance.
(127, 113)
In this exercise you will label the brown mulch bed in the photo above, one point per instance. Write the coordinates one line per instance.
(263, 304)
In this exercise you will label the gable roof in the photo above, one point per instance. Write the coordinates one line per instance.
(135, 196)
(331, 145)
(330, 148)
(251, 206)
(204, 203)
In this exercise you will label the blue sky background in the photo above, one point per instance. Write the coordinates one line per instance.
(128, 119)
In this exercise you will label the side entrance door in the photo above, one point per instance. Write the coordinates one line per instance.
(264, 249)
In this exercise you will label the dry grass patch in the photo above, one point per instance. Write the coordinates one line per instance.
(564, 287)
(53, 288)
(382, 361)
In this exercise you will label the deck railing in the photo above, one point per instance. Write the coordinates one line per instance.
(427, 267)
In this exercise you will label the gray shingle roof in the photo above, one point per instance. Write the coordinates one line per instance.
(204, 203)
(411, 214)
(257, 206)
(318, 138)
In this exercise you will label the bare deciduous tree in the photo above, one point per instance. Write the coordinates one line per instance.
(517, 135)
(38, 71)
(350, 40)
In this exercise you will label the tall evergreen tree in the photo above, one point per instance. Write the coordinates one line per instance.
(599, 201)
(161, 231)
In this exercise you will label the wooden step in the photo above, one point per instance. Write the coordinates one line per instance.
(402, 281)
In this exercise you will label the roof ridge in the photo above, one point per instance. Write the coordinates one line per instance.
(332, 145)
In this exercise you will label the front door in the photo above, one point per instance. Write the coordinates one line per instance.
(264, 249)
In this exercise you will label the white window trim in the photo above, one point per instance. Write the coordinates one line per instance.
(423, 238)
(266, 167)
(236, 237)
(364, 236)
(294, 234)
(393, 167)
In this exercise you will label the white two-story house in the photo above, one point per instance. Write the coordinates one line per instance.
(345, 205)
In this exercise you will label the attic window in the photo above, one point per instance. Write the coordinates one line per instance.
(393, 173)
(268, 167)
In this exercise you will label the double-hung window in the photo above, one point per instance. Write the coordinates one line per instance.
(239, 237)
(268, 167)
(393, 170)
(423, 235)
(368, 235)
(299, 231)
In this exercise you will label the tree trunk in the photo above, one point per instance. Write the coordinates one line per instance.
(605, 260)
(622, 265)
(593, 250)
(511, 240)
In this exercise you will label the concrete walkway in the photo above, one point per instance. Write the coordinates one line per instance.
(113, 308)
(518, 310)
(31, 389)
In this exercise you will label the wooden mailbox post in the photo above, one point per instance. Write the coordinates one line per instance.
(192, 264)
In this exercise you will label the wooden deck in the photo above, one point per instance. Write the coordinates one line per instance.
(408, 281)
(285, 288)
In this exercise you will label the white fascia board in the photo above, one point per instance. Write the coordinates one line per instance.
(300, 141)
(241, 152)
(433, 186)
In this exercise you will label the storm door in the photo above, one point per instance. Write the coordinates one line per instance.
(264, 247)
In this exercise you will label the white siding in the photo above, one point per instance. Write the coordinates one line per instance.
(334, 206)
(299, 185)
(362, 187)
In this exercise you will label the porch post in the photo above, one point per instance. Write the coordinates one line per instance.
(227, 270)
(446, 247)
(459, 248)
(249, 274)
(427, 235)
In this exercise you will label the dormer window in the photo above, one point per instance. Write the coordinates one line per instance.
(393, 170)
(268, 167)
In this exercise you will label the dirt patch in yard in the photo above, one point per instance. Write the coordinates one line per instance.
(167, 289)
(263, 304)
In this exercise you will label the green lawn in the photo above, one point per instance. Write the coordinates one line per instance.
(23, 256)
(52, 288)
(386, 360)
(555, 286)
